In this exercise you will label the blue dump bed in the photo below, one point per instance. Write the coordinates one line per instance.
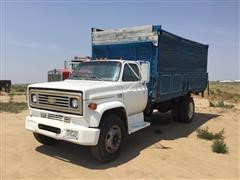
(178, 65)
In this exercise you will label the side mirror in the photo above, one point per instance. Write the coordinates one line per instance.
(145, 71)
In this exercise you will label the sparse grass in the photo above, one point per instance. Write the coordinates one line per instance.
(11, 96)
(229, 91)
(13, 107)
(219, 146)
(218, 91)
(205, 134)
(18, 89)
(220, 104)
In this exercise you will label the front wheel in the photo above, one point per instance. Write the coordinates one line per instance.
(148, 109)
(112, 132)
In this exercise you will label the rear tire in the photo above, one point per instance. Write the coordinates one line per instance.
(187, 109)
(175, 112)
(45, 139)
(112, 132)
(184, 110)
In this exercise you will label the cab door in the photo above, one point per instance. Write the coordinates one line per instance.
(134, 91)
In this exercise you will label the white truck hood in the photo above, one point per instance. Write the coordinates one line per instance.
(90, 89)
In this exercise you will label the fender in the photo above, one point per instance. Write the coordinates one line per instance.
(96, 115)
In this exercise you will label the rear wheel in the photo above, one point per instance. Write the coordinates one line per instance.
(184, 110)
(112, 132)
(175, 112)
(44, 139)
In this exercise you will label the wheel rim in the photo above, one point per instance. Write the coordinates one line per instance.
(190, 110)
(113, 139)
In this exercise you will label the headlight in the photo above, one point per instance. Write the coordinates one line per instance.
(74, 103)
(34, 98)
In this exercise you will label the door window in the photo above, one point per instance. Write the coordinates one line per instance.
(130, 73)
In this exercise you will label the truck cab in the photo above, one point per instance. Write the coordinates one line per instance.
(101, 102)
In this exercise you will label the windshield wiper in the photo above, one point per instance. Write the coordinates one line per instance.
(76, 77)
(96, 77)
(90, 77)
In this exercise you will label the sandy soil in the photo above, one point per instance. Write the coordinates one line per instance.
(17, 98)
(166, 150)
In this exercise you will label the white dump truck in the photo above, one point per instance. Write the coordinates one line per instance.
(141, 69)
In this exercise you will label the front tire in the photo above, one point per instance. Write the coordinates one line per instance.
(148, 109)
(112, 132)
(45, 139)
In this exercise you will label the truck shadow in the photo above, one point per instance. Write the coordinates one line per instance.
(162, 128)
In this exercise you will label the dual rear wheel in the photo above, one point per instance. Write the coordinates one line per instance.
(184, 109)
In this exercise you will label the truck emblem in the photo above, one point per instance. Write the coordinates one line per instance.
(51, 100)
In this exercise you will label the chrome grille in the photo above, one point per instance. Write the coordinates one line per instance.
(59, 101)
(56, 100)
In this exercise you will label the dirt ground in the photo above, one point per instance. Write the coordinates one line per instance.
(166, 150)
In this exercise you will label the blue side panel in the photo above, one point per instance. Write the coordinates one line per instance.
(177, 66)
(182, 67)
(172, 85)
(130, 51)
(176, 84)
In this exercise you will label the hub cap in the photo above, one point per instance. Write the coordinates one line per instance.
(113, 139)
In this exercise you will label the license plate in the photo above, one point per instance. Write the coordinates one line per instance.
(71, 134)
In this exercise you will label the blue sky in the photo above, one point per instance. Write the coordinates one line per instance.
(39, 36)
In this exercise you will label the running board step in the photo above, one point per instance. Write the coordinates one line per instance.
(136, 122)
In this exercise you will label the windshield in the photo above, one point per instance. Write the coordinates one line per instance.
(74, 65)
(97, 70)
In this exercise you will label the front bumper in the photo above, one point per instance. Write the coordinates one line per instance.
(86, 136)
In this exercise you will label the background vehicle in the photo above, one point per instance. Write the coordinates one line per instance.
(5, 85)
(69, 66)
(141, 68)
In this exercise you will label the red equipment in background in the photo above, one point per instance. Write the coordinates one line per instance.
(69, 66)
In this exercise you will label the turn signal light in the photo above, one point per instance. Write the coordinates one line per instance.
(92, 106)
